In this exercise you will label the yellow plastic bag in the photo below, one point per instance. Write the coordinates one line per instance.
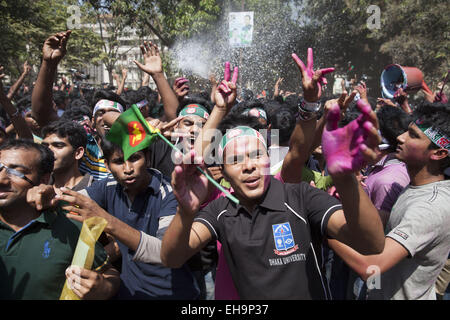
(85, 251)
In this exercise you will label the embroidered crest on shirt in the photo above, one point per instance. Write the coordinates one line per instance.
(47, 249)
(284, 239)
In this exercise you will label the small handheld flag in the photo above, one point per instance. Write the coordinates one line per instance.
(133, 133)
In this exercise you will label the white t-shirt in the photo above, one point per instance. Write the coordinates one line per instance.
(420, 222)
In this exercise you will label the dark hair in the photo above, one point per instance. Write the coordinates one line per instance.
(264, 104)
(234, 120)
(77, 113)
(350, 114)
(108, 149)
(283, 120)
(393, 122)
(46, 158)
(155, 109)
(247, 94)
(59, 97)
(67, 129)
(24, 102)
(436, 115)
(206, 103)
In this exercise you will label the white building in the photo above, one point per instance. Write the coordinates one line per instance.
(127, 51)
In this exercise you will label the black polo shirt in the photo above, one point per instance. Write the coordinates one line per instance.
(275, 252)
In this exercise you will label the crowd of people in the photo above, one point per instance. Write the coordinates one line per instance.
(336, 197)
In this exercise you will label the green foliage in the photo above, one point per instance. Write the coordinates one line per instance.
(412, 32)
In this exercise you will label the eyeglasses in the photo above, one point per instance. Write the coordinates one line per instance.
(11, 172)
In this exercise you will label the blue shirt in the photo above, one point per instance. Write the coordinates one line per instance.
(145, 280)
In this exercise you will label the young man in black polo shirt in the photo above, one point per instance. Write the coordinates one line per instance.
(271, 239)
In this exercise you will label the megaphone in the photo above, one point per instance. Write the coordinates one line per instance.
(395, 76)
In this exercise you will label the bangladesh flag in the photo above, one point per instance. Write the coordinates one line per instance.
(132, 132)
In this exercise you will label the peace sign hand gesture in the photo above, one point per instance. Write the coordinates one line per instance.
(312, 81)
(225, 95)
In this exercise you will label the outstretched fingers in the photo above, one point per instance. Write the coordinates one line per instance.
(235, 75)
(333, 117)
(367, 112)
(300, 64)
(310, 61)
(227, 75)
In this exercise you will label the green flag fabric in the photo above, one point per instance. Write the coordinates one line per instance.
(131, 132)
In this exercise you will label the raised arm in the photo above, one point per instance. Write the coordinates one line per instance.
(225, 98)
(348, 150)
(153, 66)
(15, 87)
(53, 51)
(184, 237)
(276, 91)
(303, 135)
(19, 123)
(121, 85)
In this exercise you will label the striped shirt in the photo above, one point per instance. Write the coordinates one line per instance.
(93, 161)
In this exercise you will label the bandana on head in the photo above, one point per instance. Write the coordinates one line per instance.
(237, 132)
(194, 110)
(107, 104)
(255, 112)
(142, 104)
(434, 134)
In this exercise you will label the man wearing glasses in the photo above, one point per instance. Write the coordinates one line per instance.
(36, 247)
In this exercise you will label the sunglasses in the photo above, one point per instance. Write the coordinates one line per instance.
(11, 172)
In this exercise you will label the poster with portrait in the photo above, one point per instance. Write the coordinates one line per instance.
(240, 29)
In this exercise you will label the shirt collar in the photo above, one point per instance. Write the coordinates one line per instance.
(271, 199)
(155, 180)
(47, 217)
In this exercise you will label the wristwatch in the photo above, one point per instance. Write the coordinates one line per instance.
(307, 110)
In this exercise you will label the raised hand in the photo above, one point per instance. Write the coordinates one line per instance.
(26, 68)
(124, 73)
(80, 206)
(312, 81)
(352, 147)
(225, 95)
(181, 87)
(190, 187)
(54, 48)
(152, 59)
(42, 197)
(362, 89)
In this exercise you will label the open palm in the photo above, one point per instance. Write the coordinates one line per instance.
(350, 148)
(190, 187)
(152, 59)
